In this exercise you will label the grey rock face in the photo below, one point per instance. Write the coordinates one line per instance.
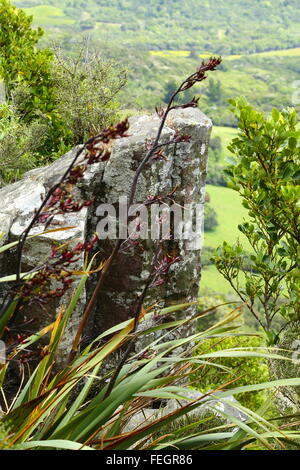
(184, 168)
(213, 407)
(288, 397)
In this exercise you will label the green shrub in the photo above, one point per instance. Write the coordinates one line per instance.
(248, 370)
(22, 62)
(61, 101)
(219, 306)
(85, 89)
(215, 174)
(210, 218)
(20, 144)
(265, 172)
(215, 149)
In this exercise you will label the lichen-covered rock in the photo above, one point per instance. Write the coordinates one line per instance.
(184, 169)
(288, 398)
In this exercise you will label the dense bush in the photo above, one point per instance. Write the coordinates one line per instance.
(22, 63)
(218, 307)
(216, 175)
(53, 103)
(214, 92)
(85, 89)
(242, 370)
(210, 218)
(214, 150)
(20, 144)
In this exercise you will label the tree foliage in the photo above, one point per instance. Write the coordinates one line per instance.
(210, 218)
(265, 172)
(22, 63)
(190, 25)
(214, 91)
(53, 102)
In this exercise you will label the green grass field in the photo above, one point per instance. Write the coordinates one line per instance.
(230, 212)
(46, 15)
(170, 53)
(101, 24)
(213, 282)
(293, 52)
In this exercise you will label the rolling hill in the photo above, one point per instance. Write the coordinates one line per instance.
(225, 27)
